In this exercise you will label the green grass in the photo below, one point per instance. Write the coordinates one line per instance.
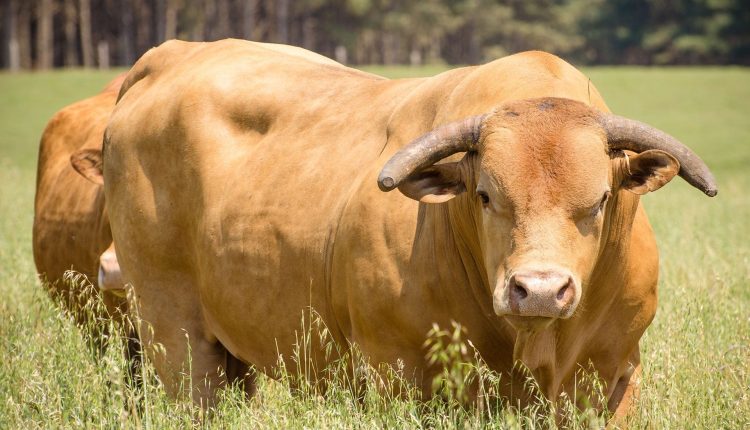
(696, 354)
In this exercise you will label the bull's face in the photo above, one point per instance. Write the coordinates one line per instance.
(541, 189)
(539, 178)
(543, 182)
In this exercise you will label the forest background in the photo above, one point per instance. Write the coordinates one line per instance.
(42, 34)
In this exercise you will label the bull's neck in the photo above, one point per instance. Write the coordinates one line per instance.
(449, 234)
(614, 245)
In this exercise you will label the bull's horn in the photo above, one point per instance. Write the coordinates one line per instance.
(460, 136)
(624, 133)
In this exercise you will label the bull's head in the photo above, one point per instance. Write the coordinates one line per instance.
(541, 173)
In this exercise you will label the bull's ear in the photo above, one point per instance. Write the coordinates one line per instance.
(435, 184)
(88, 162)
(649, 171)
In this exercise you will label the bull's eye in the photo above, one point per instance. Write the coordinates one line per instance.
(483, 197)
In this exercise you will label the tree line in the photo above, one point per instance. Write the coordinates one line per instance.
(41, 34)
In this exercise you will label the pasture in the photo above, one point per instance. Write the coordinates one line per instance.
(696, 353)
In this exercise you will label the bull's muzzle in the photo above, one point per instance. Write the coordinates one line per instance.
(110, 277)
(540, 293)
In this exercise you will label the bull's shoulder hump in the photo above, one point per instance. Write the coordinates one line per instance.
(540, 60)
(530, 65)
(570, 81)
(157, 59)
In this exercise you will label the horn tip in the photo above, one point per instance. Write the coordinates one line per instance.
(386, 183)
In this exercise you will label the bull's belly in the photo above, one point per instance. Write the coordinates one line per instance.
(260, 301)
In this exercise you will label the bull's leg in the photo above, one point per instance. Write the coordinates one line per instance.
(187, 364)
(177, 341)
(627, 392)
(240, 373)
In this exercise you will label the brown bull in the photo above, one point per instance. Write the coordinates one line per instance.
(71, 228)
(243, 187)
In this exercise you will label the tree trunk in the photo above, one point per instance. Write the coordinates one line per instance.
(248, 18)
(87, 45)
(71, 45)
(390, 50)
(5, 18)
(11, 22)
(127, 55)
(102, 49)
(44, 40)
(308, 31)
(170, 20)
(160, 12)
(224, 23)
(24, 34)
(209, 16)
(198, 31)
(434, 49)
(282, 21)
(144, 36)
(475, 41)
(341, 55)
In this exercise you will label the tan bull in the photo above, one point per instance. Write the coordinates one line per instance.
(71, 227)
(245, 185)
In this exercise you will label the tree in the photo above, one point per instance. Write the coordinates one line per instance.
(282, 21)
(127, 42)
(44, 33)
(71, 45)
(11, 35)
(249, 8)
(23, 33)
(170, 19)
(87, 44)
(45, 41)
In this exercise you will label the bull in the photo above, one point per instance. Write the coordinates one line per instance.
(245, 185)
(71, 227)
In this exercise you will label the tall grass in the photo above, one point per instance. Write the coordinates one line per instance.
(696, 354)
(79, 385)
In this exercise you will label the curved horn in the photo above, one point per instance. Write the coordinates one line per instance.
(625, 133)
(430, 148)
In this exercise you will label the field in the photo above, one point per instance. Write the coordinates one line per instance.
(696, 353)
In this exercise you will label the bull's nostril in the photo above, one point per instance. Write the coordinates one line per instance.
(520, 291)
(561, 293)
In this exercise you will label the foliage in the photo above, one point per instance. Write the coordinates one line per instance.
(664, 32)
(384, 31)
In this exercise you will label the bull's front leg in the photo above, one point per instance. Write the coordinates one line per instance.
(625, 396)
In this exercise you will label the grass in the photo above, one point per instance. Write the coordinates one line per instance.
(696, 353)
